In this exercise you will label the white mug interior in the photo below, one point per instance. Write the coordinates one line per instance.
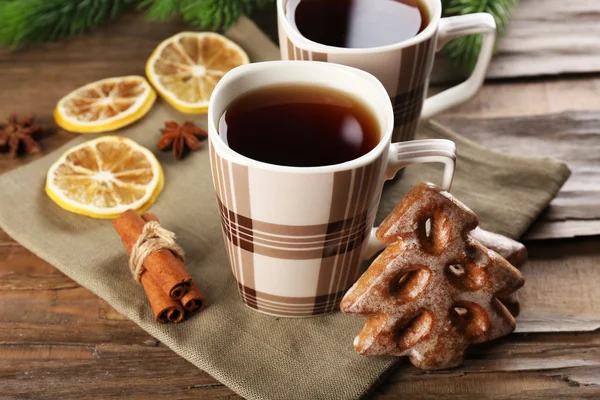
(248, 77)
(432, 7)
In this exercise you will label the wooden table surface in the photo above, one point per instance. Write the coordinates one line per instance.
(59, 341)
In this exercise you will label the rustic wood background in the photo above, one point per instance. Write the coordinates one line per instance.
(58, 340)
(545, 37)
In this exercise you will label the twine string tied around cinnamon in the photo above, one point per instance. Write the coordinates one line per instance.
(153, 238)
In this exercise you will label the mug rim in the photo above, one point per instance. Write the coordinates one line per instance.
(227, 152)
(295, 35)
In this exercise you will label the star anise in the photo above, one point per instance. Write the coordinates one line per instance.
(20, 136)
(181, 138)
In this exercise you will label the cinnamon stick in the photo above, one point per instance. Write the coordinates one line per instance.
(167, 271)
(164, 308)
(193, 301)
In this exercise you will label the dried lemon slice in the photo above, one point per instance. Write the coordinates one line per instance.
(185, 68)
(103, 177)
(105, 105)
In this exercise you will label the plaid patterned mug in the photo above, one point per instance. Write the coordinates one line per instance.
(296, 236)
(403, 68)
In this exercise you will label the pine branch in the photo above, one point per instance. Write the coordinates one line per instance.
(160, 10)
(463, 51)
(217, 14)
(203, 14)
(32, 21)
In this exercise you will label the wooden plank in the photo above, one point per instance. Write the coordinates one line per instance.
(569, 228)
(519, 365)
(549, 96)
(97, 372)
(567, 136)
(527, 98)
(561, 291)
(21, 270)
(6, 240)
(60, 315)
(561, 39)
(496, 386)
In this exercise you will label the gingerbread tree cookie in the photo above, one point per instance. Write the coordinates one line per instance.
(434, 290)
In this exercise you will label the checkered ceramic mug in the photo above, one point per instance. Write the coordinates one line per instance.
(403, 68)
(296, 236)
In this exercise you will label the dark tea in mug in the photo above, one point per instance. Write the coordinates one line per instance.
(299, 126)
(358, 23)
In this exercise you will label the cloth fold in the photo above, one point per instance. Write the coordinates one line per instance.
(258, 356)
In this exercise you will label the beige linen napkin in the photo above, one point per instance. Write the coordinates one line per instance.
(258, 356)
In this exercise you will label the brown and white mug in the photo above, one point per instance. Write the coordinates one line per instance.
(403, 68)
(296, 236)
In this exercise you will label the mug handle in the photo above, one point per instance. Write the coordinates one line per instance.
(450, 28)
(403, 154)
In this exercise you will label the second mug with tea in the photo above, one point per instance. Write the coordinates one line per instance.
(394, 40)
(357, 23)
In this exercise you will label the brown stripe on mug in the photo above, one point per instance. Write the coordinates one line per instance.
(259, 303)
(350, 257)
(221, 195)
(293, 306)
(243, 216)
(342, 182)
(293, 233)
(294, 243)
(407, 108)
(406, 83)
(424, 55)
(351, 273)
(248, 295)
(335, 269)
(319, 56)
(227, 188)
(294, 253)
(299, 242)
(213, 157)
(290, 230)
(408, 64)
(290, 49)
(228, 201)
(341, 262)
(292, 301)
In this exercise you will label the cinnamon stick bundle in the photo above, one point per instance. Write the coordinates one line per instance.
(167, 270)
(165, 279)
